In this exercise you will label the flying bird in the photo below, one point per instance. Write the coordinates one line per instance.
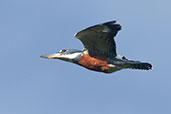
(99, 53)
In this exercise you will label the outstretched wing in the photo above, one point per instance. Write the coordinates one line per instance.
(99, 39)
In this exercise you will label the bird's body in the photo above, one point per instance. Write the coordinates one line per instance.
(99, 52)
(94, 62)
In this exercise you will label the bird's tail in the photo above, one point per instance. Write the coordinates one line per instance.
(142, 66)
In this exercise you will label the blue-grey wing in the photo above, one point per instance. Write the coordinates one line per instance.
(99, 38)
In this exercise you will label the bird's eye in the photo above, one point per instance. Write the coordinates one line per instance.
(62, 51)
(123, 57)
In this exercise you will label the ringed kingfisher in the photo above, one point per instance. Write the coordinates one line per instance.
(99, 53)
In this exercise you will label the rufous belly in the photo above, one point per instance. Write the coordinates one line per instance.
(94, 62)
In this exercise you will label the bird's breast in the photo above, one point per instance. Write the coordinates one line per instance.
(94, 62)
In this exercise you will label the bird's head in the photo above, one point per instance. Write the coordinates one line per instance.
(70, 55)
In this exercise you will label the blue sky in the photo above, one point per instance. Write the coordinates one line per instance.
(32, 85)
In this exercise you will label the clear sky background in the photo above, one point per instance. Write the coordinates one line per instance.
(32, 85)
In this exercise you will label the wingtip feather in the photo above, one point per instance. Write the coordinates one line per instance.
(109, 22)
(113, 25)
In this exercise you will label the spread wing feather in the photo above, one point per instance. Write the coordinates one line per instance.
(99, 39)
